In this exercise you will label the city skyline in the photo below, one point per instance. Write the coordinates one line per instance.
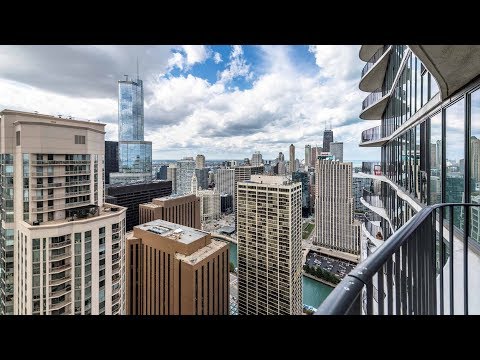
(241, 97)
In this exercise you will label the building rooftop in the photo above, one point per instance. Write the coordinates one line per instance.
(269, 180)
(60, 117)
(202, 253)
(173, 196)
(103, 211)
(180, 233)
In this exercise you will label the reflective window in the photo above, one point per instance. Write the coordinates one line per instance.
(455, 155)
(436, 159)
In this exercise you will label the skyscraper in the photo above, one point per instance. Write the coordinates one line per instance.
(111, 159)
(269, 235)
(162, 172)
(334, 224)
(225, 181)
(58, 239)
(327, 139)
(308, 155)
(172, 176)
(281, 157)
(257, 159)
(135, 154)
(302, 177)
(200, 161)
(292, 159)
(336, 149)
(176, 270)
(475, 158)
(185, 171)
(202, 178)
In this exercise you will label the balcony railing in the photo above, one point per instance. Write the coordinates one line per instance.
(372, 134)
(373, 97)
(414, 272)
(373, 60)
(56, 245)
(60, 207)
(60, 196)
(59, 162)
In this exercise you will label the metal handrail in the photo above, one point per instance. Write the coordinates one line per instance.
(417, 262)
(371, 134)
(373, 60)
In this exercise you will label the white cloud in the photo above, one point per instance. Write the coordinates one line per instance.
(185, 56)
(237, 67)
(217, 58)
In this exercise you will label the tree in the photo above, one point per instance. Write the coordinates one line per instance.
(232, 267)
(319, 272)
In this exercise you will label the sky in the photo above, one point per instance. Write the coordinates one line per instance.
(225, 102)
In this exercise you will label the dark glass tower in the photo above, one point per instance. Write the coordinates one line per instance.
(327, 139)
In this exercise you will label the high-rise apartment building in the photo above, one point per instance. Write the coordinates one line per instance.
(200, 161)
(308, 156)
(61, 246)
(269, 235)
(176, 270)
(111, 159)
(179, 209)
(210, 206)
(135, 154)
(281, 157)
(327, 139)
(336, 149)
(292, 159)
(257, 159)
(475, 159)
(172, 176)
(335, 227)
(132, 195)
(185, 171)
(225, 181)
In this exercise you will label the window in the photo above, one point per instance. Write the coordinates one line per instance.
(18, 137)
(79, 139)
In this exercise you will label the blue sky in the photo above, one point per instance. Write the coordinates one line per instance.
(223, 101)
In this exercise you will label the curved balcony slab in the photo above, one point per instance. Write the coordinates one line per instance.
(367, 51)
(373, 79)
(375, 111)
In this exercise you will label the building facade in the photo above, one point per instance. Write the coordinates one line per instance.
(202, 178)
(210, 206)
(135, 154)
(61, 246)
(302, 177)
(327, 139)
(225, 181)
(308, 156)
(200, 161)
(179, 209)
(172, 176)
(335, 228)
(161, 173)
(176, 270)
(292, 159)
(132, 195)
(111, 159)
(185, 171)
(257, 159)
(336, 149)
(269, 235)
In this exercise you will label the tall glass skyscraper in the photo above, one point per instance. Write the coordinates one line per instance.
(135, 154)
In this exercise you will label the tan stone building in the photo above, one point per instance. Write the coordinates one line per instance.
(178, 209)
(61, 246)
(176, 270)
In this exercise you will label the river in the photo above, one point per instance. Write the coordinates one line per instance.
(314, 292)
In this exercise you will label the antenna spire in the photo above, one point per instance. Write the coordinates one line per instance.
(137, 69)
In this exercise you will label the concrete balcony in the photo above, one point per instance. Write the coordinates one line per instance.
(374, 105)
(374, 70)
(372, 137)
(367, 51)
